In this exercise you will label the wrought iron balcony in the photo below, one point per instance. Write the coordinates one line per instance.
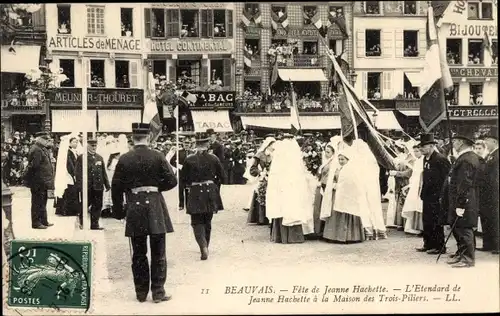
(302, 61)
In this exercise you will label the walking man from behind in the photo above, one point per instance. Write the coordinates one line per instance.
(143, 174)
(436, 168)
(39, 178)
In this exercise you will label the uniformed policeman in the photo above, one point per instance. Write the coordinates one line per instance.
(142, 174)
(199, 174)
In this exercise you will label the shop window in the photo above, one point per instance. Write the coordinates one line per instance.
(68, 68)
(252, 47)
(454, 51)
(279, 10)
(410, 92)
(310, 48)
(126, 15)
(410, 7)
(95, 20)
(336, 46)
(455, 94)
(158, 22)
(480, 10)
(476, 52)
(372, 42)
(373, 85)
(97, 74)
(190, 21)
(372, 7)
(410, 39)
(188, 73)
(494, 52)
(219, 23)
(64, 18)
(122, 74)
(337, 12)
(476, 93)
(309, 12)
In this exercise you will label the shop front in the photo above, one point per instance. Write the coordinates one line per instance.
(109, 110)
(479, 117)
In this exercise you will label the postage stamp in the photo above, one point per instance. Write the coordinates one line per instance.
(55, 275)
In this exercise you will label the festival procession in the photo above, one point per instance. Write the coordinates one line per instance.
(277, 139)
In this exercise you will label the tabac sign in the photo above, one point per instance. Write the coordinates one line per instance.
(214, 100)
(94, 43)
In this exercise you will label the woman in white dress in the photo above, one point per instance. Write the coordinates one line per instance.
(412, 208)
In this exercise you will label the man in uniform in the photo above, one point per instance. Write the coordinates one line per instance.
(436, 168)
(489, 200)
(216, 147)
(181, 155)
(142, 174)
(461, 199)
(200, 174)
(96, 183)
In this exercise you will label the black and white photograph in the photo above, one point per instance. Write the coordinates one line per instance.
(250, 158)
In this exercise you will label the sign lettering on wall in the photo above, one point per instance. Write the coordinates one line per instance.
(94, 43)
(192, 5)
(310, 31)
(97, 96)
(481, 111)
(473, 30)
(214, 99)
(184, 46)
(470, 72)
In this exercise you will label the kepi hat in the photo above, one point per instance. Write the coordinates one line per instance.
(140, 128)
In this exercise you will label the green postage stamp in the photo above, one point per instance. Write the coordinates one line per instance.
(55, 275)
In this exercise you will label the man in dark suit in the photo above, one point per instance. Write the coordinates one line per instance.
(200, 173)
(436, 168)
(39, 177)
(461, 199)
(181, 155)
(97, 181)
(143, 174)
(489, 213)
(215, 146)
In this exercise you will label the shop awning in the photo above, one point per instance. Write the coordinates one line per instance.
(216, 120)
(410, 112)
(387, 120)
(67, 121)
(117, 121)
(302, 75)
(284, 122)
(20, 58)
(414, 78)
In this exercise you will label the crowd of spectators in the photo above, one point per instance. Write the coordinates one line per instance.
(283, 52)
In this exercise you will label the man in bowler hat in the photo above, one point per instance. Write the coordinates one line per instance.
(436, 168)
(200, 174)
(216, 147)
(142, 174)
(97, 182)
(488, 209)
(461, 199)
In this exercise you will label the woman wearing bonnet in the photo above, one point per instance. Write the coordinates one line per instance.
(260, 168)
(66, 194)
(114, 149)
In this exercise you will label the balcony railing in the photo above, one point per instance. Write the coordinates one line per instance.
(282, 106)
(308, 61)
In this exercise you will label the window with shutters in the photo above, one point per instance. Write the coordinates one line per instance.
(455, 95)
(207, 21)
(95, 20)
(252, 48)
(410, 92)
(160, 70)
(476, 52)
(494, 52)
(482, 10)
(410, 7)
(190, 21)
(64, 18)
(372, 43)
(476, 93)
(373, 85)
(336, 46)
(122, 77)
(127, 23)
(158, 22)
(372, 7)
(387, 86)
(309, 11)
(97, 73)
(454, 51)
(410, 39)
(68, 67)
(172, 22)
(219, 26)
(188, 74)
(217, 72)
(227, 76)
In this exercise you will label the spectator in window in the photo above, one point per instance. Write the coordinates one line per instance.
(471, 100)
(471, 58)
(218, 81)
(63, 28)
(124, 83)
(479, 99)
(477, 60)
(377, 95)
(159, 30)
(184, 31)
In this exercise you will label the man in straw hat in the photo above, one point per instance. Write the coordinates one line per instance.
(436, 168)
(142, 174)
(461, 199)
(489, 200)
(200, 174)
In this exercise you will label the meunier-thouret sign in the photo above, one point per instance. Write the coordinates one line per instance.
(183, 46)
(100, 97)
(478, 112)
(215, 99)
(471, 72)
(94, 43)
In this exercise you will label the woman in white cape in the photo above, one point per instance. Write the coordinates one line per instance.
(65, 192)
(251, 180)
(114, 149)
(289, 199)
(412, 208)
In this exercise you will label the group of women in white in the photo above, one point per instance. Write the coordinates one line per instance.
(341, 204)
